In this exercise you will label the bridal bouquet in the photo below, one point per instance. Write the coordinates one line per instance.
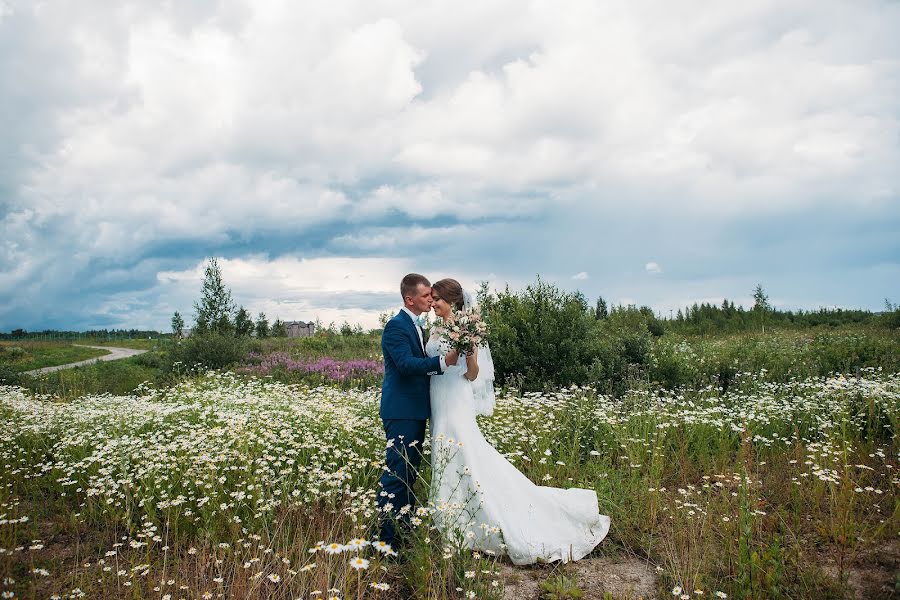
(465, 331)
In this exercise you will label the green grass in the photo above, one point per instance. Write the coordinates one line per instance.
(772, 490)
(134, 343)
(776, 356)
(783, 485)
(113, 377)
(23, 355)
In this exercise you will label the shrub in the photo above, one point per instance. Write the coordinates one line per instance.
(545, 337)
(890, 318)
(210, 350)
(9, 376)
(13, 353)
(542, 334)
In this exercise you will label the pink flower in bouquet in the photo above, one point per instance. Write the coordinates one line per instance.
(465, 331)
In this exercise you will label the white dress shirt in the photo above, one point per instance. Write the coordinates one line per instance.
(421, 339)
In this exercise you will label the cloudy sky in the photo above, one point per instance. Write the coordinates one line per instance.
(659, 153)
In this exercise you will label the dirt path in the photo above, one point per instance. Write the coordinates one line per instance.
(114, 354)
(620, 577)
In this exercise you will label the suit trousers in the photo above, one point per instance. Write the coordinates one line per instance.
(403, 459)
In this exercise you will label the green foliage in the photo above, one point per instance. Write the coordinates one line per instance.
(279, 329)
(890, 318)
(348, 329)
(709, 319)
(761, 305)
(560, 586)
(756, 493)
(92, 336)
(542, 335)
(28, 355)
(215, 308)
(210, 350)
(678, 361)
(12, 353)
(10, 375)
(339, 347)
(177, 324)
(262, 326)
(243, 324)
(117, 377)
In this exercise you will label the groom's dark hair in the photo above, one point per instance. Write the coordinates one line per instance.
(409, 284)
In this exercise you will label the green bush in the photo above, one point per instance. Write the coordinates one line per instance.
(209, 350)
(890, 318)
(12, 353)
(545, 337)
(9, 375)
(541, 335)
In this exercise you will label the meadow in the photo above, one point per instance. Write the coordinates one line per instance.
(780, 483)
(25, 355)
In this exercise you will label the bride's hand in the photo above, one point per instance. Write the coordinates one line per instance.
(451, 358)
(472, 365)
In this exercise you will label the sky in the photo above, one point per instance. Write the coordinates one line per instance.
(656, 153)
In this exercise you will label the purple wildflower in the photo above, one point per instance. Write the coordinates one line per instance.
(337, 370)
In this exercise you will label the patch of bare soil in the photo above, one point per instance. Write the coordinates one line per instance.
(874, 574)
(623, 578)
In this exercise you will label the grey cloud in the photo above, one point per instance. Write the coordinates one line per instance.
(513, 139)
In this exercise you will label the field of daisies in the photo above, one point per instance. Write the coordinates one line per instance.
(229, 485)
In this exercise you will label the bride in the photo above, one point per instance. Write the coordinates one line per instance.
(480, 498)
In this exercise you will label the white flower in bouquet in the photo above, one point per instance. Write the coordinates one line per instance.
(465, 331)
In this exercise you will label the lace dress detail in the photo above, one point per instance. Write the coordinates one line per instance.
(486, 503)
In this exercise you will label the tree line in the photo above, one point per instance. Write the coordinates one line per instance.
(93, 334)
(707, 318)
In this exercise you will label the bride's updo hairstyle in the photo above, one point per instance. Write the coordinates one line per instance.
(449, 290)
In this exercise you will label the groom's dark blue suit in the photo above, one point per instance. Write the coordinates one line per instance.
(405, 408)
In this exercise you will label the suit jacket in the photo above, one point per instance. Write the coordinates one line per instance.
(405, 393)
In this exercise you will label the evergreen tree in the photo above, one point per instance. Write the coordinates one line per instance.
(262, 326)
(279, 329)
(177, 324)
(761, 305)
(243, 324)
(213, 312)
(601, 312)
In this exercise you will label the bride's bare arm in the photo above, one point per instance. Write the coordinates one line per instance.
(472, 365)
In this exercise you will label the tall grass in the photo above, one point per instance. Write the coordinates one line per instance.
(27, 355)
(221, 485)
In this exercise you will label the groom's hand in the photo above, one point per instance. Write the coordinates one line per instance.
(451, 358)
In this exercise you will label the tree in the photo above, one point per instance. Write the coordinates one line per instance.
(279, 329)
(214, 311)
(761, 305)
(601, 312)
(262, 326)
(243, 324)
(177, 324)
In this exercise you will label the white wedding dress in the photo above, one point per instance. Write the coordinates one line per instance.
(482, 500)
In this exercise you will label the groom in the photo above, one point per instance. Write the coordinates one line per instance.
(405, 401)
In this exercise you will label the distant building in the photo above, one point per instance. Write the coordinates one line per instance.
(300, 329)
(186, 332)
